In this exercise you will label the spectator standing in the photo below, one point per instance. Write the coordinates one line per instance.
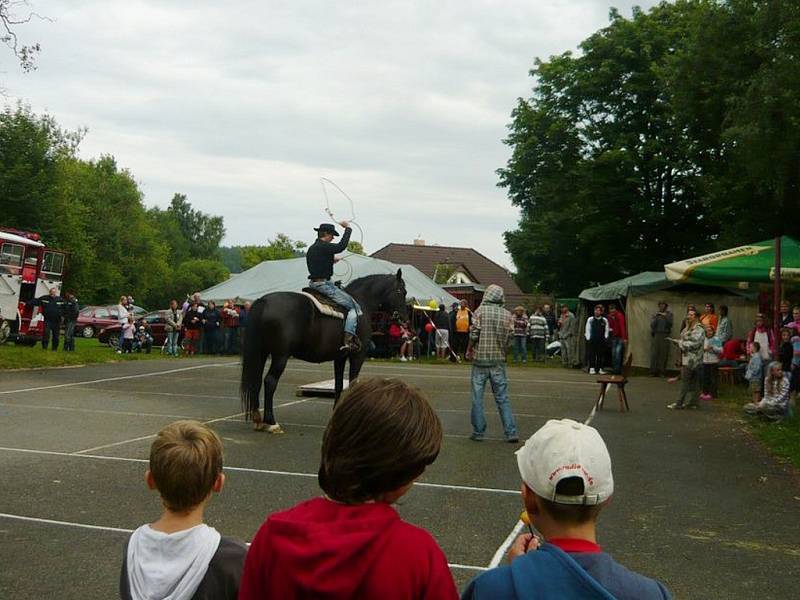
(520, 322)
(764, 336)
(230, 320)
(660, 329)
(127, 334)
(550, 318)
(786, 316)
(775, 402)
(755, 373)
(709, 316)
(51, 306)
(795, 373)
(537, 329)
(212, 323)
(725, 327)
(244, 314)
(462, 320)
(122, 314)
(351, 543)
(596, 334)
(566, 334)
(691, 347)
(174, 321)
(712, 350)
(70, 311)
(178, 556)
(795, 324)
(567, 480)
(489, 336)
(786, 350)
(193, 322)
(618, 334)
(442, 323)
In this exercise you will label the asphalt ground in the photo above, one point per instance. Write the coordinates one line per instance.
(698, 504)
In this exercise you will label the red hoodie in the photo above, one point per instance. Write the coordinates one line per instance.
(323, 549)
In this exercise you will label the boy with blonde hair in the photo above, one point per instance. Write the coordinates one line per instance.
(178, 557)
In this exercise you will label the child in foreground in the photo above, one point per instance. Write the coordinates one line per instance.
(566, 482)
(178, 556)
(351, 543)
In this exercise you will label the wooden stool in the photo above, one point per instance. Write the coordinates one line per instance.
(607, 381)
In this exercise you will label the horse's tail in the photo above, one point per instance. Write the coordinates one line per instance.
(254, 356)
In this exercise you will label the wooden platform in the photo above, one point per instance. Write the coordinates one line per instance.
(319, 388)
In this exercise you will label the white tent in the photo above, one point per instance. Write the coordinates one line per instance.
(291, 275)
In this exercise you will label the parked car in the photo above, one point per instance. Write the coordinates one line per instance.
(157, 320)
(92, 319)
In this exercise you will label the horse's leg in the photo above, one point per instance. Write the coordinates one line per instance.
(276, 369)
(338, 375)
(356, 362)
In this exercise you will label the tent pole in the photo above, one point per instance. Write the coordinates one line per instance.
(776, 297)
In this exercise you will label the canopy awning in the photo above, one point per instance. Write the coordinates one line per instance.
(753, 263)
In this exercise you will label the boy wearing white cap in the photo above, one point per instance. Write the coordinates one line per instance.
(566, 482)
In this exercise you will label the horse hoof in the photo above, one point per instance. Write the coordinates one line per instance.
(259, 427)
(277, 429)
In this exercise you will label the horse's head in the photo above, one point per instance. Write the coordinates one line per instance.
(382, 292)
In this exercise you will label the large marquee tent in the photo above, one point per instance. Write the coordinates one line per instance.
(291, 275)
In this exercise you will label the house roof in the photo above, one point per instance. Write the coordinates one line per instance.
(425, 258)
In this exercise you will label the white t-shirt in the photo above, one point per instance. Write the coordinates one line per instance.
(763, 339)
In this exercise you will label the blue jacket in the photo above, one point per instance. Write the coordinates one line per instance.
(550, 573)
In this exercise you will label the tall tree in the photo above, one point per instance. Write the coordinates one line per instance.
(204, 232)
(280, 248)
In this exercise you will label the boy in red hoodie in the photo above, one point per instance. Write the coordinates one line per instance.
(351, 543)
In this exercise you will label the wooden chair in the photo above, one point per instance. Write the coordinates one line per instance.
(726, 375)
(606, 381)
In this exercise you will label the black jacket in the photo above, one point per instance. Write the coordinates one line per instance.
(70, 310)
(319, 257)
(212, 318)
(51, 307)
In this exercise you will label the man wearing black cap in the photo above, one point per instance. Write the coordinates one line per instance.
(320, 259)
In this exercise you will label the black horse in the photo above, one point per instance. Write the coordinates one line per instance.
(287, 324)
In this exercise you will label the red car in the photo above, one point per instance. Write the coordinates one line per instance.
(92, 319)
(156, 320)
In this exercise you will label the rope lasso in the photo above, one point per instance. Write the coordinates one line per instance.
(352, 220)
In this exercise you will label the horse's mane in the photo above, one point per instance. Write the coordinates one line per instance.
(368, 281)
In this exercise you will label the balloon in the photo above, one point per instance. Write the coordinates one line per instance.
(428, 327)
(433, 304)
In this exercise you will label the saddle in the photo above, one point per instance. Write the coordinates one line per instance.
(323, 304)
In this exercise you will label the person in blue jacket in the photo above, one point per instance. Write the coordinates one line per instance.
(567, 480)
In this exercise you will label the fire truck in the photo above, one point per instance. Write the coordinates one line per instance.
(28, 269)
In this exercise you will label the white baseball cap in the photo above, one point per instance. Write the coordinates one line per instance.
(565, 448)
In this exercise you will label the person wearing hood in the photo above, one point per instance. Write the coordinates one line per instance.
(351, 544)
(178, 557)
(492, 327)
(566, 477)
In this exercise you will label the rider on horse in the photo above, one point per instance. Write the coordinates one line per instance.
(320, 259)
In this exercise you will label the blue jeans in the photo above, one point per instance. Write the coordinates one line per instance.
(497, 376)
(617, 350)
(231, 335)
(344, 299)
(172, 342)
(520, 348)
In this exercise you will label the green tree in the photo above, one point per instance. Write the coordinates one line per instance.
(192, 276)
(202, 231)
(231, 257)
(356, 248)
(280, 248)
(10, 19)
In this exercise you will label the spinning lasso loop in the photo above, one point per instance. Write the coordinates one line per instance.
(347, 275)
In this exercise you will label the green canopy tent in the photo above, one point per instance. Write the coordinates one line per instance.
(753, 263)
(769, 262)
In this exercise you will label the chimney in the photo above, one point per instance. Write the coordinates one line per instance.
(419, 242)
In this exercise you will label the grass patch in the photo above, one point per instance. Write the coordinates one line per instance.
(782, 438)
(87, 351)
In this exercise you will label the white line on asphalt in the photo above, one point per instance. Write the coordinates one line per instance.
(501, 551)
(120, 378)
(147, 437)
(125, 530)
(95, 410)
(425, 484)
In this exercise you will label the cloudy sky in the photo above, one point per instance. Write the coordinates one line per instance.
(243, 106)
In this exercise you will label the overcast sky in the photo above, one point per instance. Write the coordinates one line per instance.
(243, 106)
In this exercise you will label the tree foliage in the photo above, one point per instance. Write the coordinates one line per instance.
(672, 133)
(277, 249)
(12, 15)
(94, 210)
